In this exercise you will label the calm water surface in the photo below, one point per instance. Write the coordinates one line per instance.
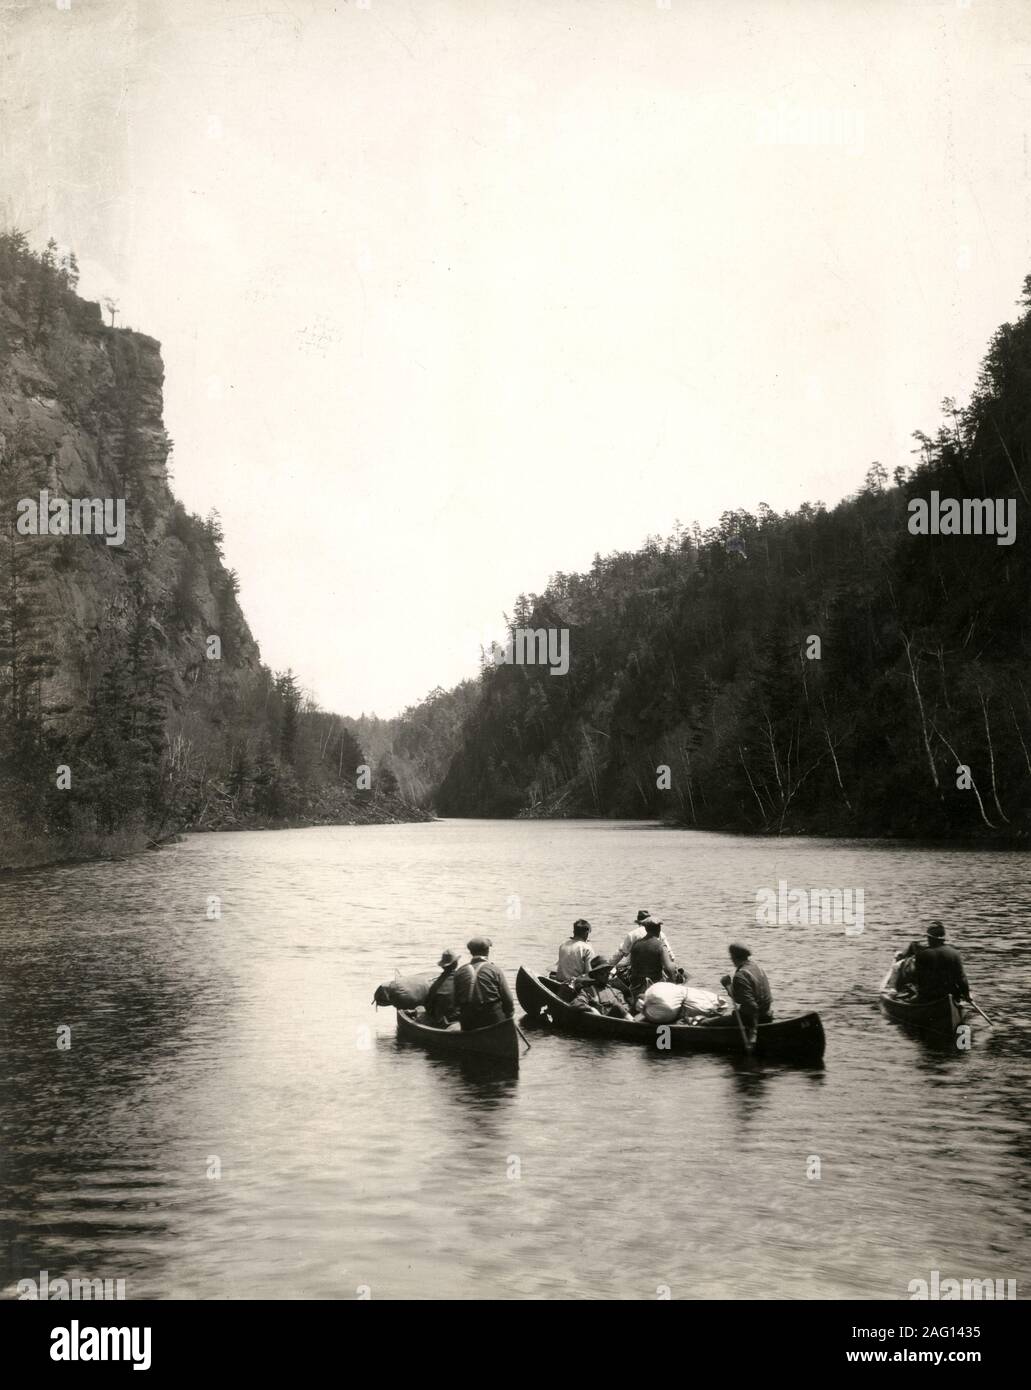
(348, 1162)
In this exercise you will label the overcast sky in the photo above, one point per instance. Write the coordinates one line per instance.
(453, 295)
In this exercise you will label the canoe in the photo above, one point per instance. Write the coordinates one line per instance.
(933, 1016)
(545, 1002)
(499, 1040)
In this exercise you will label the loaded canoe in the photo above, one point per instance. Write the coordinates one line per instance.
(934, 1016)
(545, 1002)
(500, 1040)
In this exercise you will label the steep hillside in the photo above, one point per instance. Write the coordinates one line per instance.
(133, 701)
(829, 671)
(416, 747)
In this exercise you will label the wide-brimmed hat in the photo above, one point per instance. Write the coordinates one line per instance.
(599, 965)
(647, 922)
(479, 946)
(643, 914)
(448, 958)
(937, 930)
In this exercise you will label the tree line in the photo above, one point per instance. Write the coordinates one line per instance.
(824, 670)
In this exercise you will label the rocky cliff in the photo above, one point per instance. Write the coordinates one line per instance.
(132, 695)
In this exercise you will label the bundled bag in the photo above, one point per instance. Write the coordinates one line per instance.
(699, 1001)
(901, 976)
(406, 992)
(669, 1003)
(663, 1002)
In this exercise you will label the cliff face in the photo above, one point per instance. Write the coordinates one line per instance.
(133, 701)
(81, 418)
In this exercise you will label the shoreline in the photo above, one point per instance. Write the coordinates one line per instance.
(128, 846)
(926, 839)
(142, 844)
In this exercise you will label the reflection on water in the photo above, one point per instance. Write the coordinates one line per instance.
(233, 1118)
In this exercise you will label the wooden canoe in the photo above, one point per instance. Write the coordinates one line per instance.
(929, 1016)
(500, 1040)
(545, 1002)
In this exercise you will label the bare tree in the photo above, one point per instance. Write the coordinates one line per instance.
(923, 719)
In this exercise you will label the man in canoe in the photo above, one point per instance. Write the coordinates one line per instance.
(482, 992)
(595, 995)
(574, 955)
(638, 933)
(441, 1008)
(938, 968)
(749, 988)
(651, 959)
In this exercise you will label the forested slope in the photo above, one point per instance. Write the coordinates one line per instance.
(910, 715)
(416, 747)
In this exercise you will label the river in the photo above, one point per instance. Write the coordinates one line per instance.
(232, 1117)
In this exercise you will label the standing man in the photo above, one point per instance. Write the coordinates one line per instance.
(939, 968)
(749, 988)
(638, 934)
(650, 959)
(482, 993)
(574, 955)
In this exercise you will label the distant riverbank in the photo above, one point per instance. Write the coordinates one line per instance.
(47, 850)
(969, 838)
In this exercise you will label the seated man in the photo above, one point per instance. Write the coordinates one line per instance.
(938, 968)
(441, 1009)
(749, 988)
(574, 955)
(594, 993)
(650, 959)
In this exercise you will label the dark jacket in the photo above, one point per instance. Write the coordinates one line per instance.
(750, 990)
(440, 1001)
(606, 1001)
(650, 960)
(482, 994)
(939, 971)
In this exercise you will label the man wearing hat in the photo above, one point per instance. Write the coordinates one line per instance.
(749, 988)
(939, 968)
(482, 993)
(650, 958)
(638, 934)
(441, 1008)
(595, 995)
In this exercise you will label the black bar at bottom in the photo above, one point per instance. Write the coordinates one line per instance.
(752, 1341)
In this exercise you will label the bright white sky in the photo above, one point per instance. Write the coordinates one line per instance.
(454, 293)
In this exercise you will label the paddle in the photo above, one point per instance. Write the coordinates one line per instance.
(980, 1011)
(740, 1024)
(523, 1036)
